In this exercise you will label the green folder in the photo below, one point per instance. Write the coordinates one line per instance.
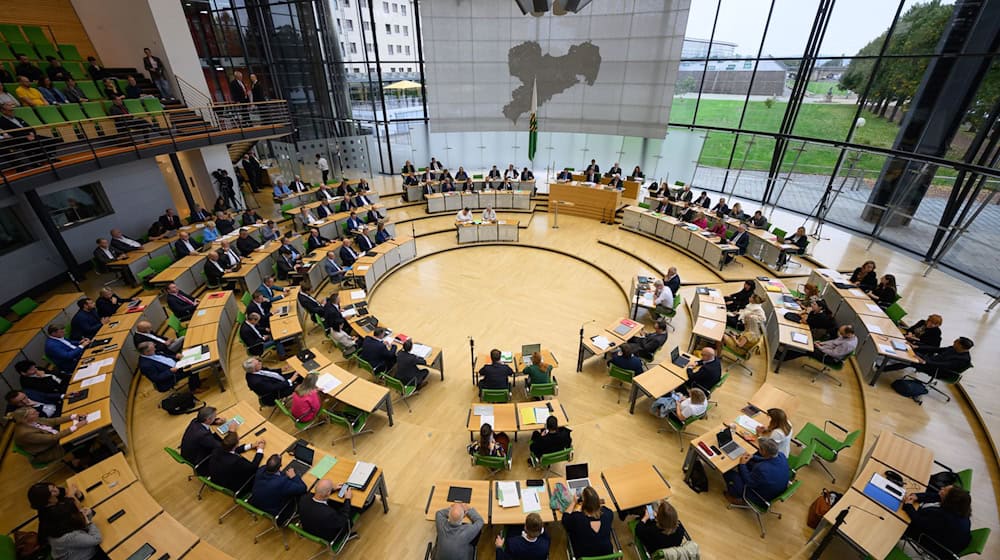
(324, 465)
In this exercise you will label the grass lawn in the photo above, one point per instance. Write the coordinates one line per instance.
(816, 120)
(822, 87)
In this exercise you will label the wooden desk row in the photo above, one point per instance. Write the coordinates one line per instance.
(702, 244)
(189, 272)
(135, 261)
(875, 331)
(386, 256)
(584, 199)
(630, 189)
(314, 203)
(708, 312)
(499, 200)
(312, 194)
(25, 340)
(332, 226)
(212, 324)
(474, 232)
(599, 342)
(509, 417)
(343, 386)
(781, 334)
(627, 487)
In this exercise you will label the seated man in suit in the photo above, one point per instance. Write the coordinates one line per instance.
(257, 338)
(564, 175)
(270, 290)
(201, 215)
(123, 244)
(616, 182)
(323, 517)
(163, 370)
(298, 186)
(325, 194)
(334, 271)
(184, 245)
(38, 380)
(182, 304)
(86, 322)
(363, 243)
(308, 302)
(527, 175)
(214, 269)
(169, 220)
(553, 438)
(245, 243)
(287, 265)
(347, 253)
(260, 305)
(228, 256)
(672, 280)
(268, 385)
(377, 352)
(47, 405)
(625, 358)
(742, 240)
(280, 191)
(170, 347)
(707, 374)
(231, 470)
(315, 240)
(647, 345)
(495, 375)
(63, 353)
(354, 223)
(104, 253)
(108, 302)
(269, 232)
(408, 368)
(250, 217)
(721, 208)
(200, 440)
(273, 490)
(761, 476)
(225, 223)
(493, 178)
(955, 358)
(615, 170)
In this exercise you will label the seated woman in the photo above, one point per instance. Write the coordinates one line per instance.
(943, 530)
(306, 401)
(700, 221)
(220, 205)
(810, 294)
(75, 537)
(736, 212)
(537, 371)
(719, 228)
(490, 443)
(864, 277)
(637, 173)
(695, 404)
(739, 300)
(885, 293)
(663, 531)
(210, 232)
(744, 342)
(925, 333)
(46, 498)
(588, 525)
(778, 429)
(553, 438)
(754, 308)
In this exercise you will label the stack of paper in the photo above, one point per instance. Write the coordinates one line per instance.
(507, 494)
(89, 370)
(327, 383)
(322, 467)
(886, 349)
(747, 423)
(601, 342)
(193, 356)
(349, 312)
(357, 294)
(529, 496)
(541, 414)
(874, 308)
(876, 329)
(421, 350)
(799, 338)
(486, 419)
(483, 410)
(94, 380)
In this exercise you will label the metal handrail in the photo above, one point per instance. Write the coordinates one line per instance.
(52, 147)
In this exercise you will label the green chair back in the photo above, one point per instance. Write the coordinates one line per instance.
(134, 106)
(555, 457)
(644, 205)
(72, 112)
(978, 543)
(827, 446)
(27, 114)
(621, 374)
(145, 275)
(965, 479)
(240, 317)
(12, 33)
(90, 90)
(31, 458)
(93, 109)
(25, 306)
(50, 114)
(284, 210)
(70, 52)
(494, 464)
(76, 70)
(35, 35)
(722, 380)
(175, 323)
(796, 462)
(477, 176)
(396, 385)
(5, 325)
(247, 298)
(159, 264)
(340, 419)
(6, 54)
(7, 547)
(46, 50)
(612, 556)
(542, 390)
(254, 510)
(366, 366)
(220, 489)
(778, 232)
(495, 395)
(895, 313)
(152, 105)
(177, 457)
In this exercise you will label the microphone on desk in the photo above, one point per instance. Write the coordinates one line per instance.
(859, 508)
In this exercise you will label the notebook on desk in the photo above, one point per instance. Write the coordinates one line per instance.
(361, 475)
(459, 494)
(527, 350)
(677, 359)
(899, 345)
(727, 445)
(303, 459)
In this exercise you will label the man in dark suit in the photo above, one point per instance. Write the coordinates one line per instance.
(273, 490)
(703, 200)
(163, 370)
(955, 358)
(308, 302)
(182, 304)
(564, 175)
(260, 305)
(593, 168)
(672, 280)
(495, 375)
(332, 316)
(238, 89)
(201, 215)
(268, 385)
(184, 245)
(170, 347)
(708, 373)
(252, 168)
(214, 269)
(229, 469)
(363, 243)
(229, 257)
(553, 438)
(257, 338)
(407, 366)
(286, 264)
(325, 209)
(122, 243)
(38, 381)
(347, 253)
(376, 352)
(615, 170)
(86, 322)
(315, 240)
(104, 253)
(761, 476)
(245, 243)
(323, 517)
(298, 186)
(169, 220)
(199, 439)
(742, 240)
(646, 346)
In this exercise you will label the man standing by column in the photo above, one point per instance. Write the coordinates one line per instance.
(154, 66)
(324, 167)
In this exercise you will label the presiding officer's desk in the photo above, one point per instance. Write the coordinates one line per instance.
(498, 199)
(585, 199)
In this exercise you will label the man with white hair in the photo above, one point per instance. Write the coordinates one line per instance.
(456, 540)
(268, 385)
(323, 517)
(170, 347)
(706, 375)
(672, 280)
(163, 370)
(762, 476)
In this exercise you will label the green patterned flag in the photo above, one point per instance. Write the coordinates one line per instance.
(533, 122)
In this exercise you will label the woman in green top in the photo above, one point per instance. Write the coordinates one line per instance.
(537, 372)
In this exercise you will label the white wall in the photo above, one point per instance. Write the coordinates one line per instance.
(136, 24)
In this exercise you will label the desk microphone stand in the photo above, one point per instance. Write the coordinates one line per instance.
(472, 358)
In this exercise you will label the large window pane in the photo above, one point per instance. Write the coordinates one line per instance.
(78, 205)
(790, 25)
(13, 234)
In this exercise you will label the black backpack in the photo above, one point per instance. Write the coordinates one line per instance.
(697, 478)
(183, 402)
(910, 388)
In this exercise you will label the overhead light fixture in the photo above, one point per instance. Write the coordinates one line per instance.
(534, 7)
(574, 5)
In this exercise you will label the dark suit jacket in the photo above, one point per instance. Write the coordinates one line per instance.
(170, 222)
(766, 477)
(44, 384)
(674, 284)
(706, 376)
(951, 533)
(237, 91)
(800, 242)
(375, 352)
(930, 338)
(264, 310)
(181, 308)
(268, 388)
(102, 257)
(271, 491)
(310, 304)
(495, 376)
(325, 520)
(947, 359)
(153, 72)
(347, 256)
(741, 240)
(313, 243)
(257, 92)
(286, 266)
(157, 372)
(161, 348)
(232, 470)
(650, 343)
(85, 324)
(227, 261)
(363, 243)
(197, 444)
(121, 246)
(64, 357)
(247, 245)
(181, 249)
(254, 342)
(550, 442)
(214, 272)
(407, 367)
(332, 316)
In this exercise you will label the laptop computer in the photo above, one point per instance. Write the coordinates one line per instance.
(303, 459)
(577, 477)
(727, 445)
(281, 311)
(677, 359)
(527, 350)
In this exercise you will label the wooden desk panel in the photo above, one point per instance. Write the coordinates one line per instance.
(139, 508)
(205, 551)
(720, 461)
(587, 201)
(480, 500)
(504, 417)
(363, 394)
(770, 396)
(61, 302)
(35, 321)
(114, 474)
(903, 455)
(163, 533)
(515, 515)
(635, 485)
(91, 427)
(869, 533)
(558, 410)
